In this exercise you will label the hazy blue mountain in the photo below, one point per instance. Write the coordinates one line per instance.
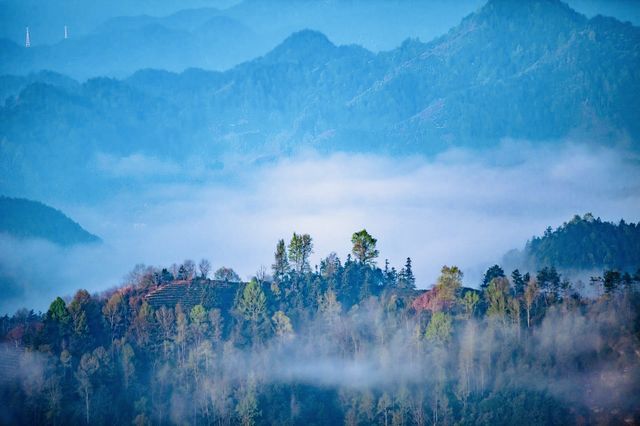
(116, 46)
(23, 218)
(377, 24)
(383, 24)
(212, 38)
(47, 19)
(533, 69)
(185, 20)
(624, 10)
(12, 85)
(530, 69)
(120, 46)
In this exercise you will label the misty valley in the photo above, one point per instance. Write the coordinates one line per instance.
(309, 212)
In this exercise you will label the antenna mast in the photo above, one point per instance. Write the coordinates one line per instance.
(27, 40)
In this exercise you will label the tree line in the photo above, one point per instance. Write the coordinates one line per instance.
(343, 342)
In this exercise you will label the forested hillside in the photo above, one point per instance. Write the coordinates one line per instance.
(587, 243)
(531, 69)
(346, 342)
(30, 219)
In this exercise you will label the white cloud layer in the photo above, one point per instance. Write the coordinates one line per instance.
(463, 207)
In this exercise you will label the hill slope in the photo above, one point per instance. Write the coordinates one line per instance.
(30, 219)
(584, 243)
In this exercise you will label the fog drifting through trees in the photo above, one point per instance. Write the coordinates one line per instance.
(350, 342)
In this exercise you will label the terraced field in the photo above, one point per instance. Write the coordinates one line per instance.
(209, 293)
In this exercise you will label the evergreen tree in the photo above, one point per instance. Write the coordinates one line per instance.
(518, 282)
(58, 321)
(300, 248)
(493, 272)
(253, 303)
(281, 264)
(549, 282)
(364, 247)
(406, 280)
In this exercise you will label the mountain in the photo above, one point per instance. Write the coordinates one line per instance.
(46, 20)
(530, 69)
(120, 46)
(23, 218)
(378, 24)
(12, 85)
(583, 243)
(533, 69)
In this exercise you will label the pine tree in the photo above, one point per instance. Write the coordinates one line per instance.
(364, 247)
(58, 321)
(518, 282)
(253, 303)
(406, 279)
(494, 272)
(300, 248)
(281, 265)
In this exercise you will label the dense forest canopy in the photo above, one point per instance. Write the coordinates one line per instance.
(587, 243)
(346, 342)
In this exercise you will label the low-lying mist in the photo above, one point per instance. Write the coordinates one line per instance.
(388, 356)
(371, 352)
(462, 207)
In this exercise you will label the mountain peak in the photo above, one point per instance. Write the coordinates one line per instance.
(308, 35)
(537, 23)
(302, 46)
(529, 10)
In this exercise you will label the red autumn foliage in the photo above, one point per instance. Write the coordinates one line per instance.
(429, 301)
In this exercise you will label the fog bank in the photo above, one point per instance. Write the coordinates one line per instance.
(462, 207)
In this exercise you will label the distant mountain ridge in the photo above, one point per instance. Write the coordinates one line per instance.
(23, 218)
(533, 69)
(122, 45)
(208, 34)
